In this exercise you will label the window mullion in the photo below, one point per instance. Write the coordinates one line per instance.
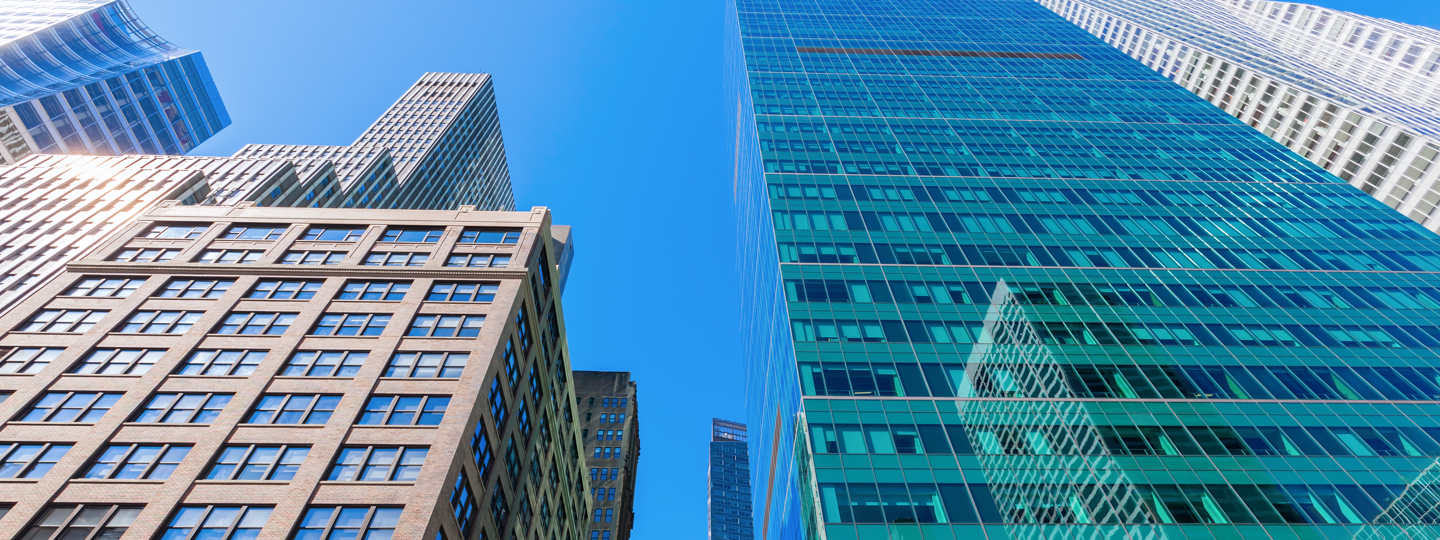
(230, 531)
(309, 408)
(104, 520)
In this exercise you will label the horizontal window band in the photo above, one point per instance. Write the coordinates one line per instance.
(921, 52)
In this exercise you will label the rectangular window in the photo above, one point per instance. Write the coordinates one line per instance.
(490, 236)
(177, 230)
(29, 460)
(313, 257)
(273, 289)
(83, 521)
(196, 288)
(404, 410)
(255, 462)
(145, 255)
(497, 404)
(293, 409)
(348, 523)
(137, 462)
(334, 234)
(324, 364)
(413, 234)
(119, 362)
(215, 523)
(183, 408)
(478, 260)
(378, 464)
(463, 506)
(256, 323)
(220, 363)
(70, 407)
(463, 292)
(396, 259)
(480, 449)
(351, 324)
(446, 325)
(116, 287)
(29, 360)
(160, 322)
(63, 320)
(388, 291)
(255, 232)
(427, 365)
(230, 256)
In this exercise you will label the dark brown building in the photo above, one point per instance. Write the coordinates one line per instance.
(610, 428)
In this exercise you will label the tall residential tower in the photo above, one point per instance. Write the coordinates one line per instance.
(1003, 281)
(730, 516)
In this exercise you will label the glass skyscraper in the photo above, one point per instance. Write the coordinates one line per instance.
(1005, 282)
(88, 77)
(731, 514)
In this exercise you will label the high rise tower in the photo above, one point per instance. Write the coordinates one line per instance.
(729, 477)
(1356, 95)
(609, 406)
(88, 77)
(1003, 281)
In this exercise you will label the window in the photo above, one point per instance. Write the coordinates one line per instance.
(463, 506)
(463, 292)
(183, 408)
(396, 259)
(446, 325)
(480, 449)
(348, 523)
(427, 364)
(352, 324)
(497, 403)
(64, 320)
(293, 409)
(324, 364)
(256, 462)
(216, 523)
(255, 232)
(256, 323)
(117, 287)
(378, 464)
(478, 260)
(29, 360)
(404, 410)
(490, 236)
(145, 255)
(71, 407)
(230, 256)
(137, 462)
(29, 460)
(334, 234)
(78, 522)
(413, 234)
(375, 290)
(313, 257)
(177, 230)
(119, 362)
(272, 289)
(195, 288)
(160, 322)
(228, 362)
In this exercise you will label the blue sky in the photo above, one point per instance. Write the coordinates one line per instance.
(613, 118)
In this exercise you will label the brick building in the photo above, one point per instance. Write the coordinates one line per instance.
(610, 429)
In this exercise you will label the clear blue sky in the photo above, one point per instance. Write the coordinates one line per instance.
(612, 115)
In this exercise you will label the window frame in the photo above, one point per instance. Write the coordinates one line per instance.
(471, 235)
(85, 319)
(216, 256)
(84, 411)
(158, 230)
(328, 529)
(159, 255)
(337, 323)
(315, 233)
(387, 414)
(144, 354)
(239, 232)
(26, 366)
(184, 318)
(195, 413)
(382, 258)
(429, 235)
(130, 284)
(310, 286)
(390, 288)
(217, 288)
(241, 361)
(124, 461)
(268, 326)
(101, 527)
(27, 468)
(310, 409)
(302, 257)
(415, 365)
(467, 260)
(364, 465)
(480, 290)
(271, 469)
(345, 360)
(437, 318)
(242, 513)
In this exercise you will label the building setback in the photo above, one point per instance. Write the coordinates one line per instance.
(88, 77)
(609, 401)
(1356, 95)
(417, 389)
(1004, 281)
(730, 516)
(53, 208)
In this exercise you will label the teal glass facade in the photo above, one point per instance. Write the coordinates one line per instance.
(1002, 281)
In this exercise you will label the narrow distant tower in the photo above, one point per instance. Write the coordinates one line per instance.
(729, 482)
(610, 429)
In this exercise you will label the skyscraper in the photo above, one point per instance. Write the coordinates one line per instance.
(302, 373)
(438, 147)
(88, 77)
(729, 477)
(610, 430)
(1354, 94)
(1003, 281)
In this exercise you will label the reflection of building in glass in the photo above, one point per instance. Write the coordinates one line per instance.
(1004, 281)
(729, 495)
(88, 77)
(1356, 95)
